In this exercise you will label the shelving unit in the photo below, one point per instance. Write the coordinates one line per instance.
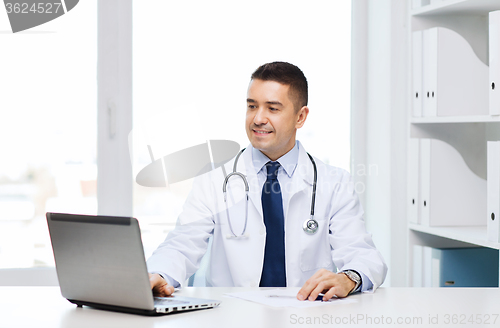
(472, 235)
(456, 119)
(457, 7)
(467, 134)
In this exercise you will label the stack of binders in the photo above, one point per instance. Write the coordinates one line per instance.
(443, 190)
(448, 78)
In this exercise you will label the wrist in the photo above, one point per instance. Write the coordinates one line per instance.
(355, 278)
(350, 284)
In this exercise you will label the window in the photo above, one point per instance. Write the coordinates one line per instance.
(192, 62)
(48, 130)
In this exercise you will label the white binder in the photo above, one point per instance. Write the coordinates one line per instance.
(424, 167)
(427, 266)
(417, 73)
(455, 79)
(413, 200)
(430, 71)
(494, 46)
(493, 191)
(418, 269)
(435, 267)
(451, 194)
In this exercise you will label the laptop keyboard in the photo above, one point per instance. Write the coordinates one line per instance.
(167, 301)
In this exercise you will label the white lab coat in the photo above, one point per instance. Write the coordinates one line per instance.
(340, 242)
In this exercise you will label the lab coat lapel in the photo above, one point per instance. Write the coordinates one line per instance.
(303, 175)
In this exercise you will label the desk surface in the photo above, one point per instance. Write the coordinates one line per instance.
(397, 307)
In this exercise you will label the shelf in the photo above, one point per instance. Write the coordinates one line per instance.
(473, 234)
(455, 119)
(458, 7)
(468, 130)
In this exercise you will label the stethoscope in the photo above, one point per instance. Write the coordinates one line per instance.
(310, 225)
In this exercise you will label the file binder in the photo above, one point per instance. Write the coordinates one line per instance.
(413, 159)
(417, 266)
(450, 193)
(493, 191)
(424, 166)
(427, 266)
(430, 71)
(455, 267)
(417, 73)
(464, 267)
(422, 270)
(494, 43)
(454, 77)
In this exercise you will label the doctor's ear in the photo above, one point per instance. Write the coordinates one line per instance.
(301, 116)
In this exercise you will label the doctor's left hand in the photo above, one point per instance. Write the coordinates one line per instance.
(327, 282)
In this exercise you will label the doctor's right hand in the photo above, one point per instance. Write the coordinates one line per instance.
(159, 286)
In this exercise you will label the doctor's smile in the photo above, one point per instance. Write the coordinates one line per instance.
(261, 131)
(276, 215)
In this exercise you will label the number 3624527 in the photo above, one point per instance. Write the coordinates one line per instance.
(35, 8)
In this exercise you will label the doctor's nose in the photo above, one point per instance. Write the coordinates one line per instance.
(260, 118)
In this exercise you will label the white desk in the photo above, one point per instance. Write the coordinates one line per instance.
(45, 307)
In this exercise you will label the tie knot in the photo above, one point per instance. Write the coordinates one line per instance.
(272, 170)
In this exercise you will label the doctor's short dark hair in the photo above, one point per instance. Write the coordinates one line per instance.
(287, 74)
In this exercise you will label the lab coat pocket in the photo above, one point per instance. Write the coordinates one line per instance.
(315, 248)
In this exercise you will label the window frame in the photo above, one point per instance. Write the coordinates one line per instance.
(114, 122)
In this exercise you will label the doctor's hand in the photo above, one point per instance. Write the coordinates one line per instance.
(159, 286)
(327, 282)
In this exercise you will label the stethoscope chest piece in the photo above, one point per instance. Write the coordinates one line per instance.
(310, 226)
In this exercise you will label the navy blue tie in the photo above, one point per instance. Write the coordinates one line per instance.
(273, 271)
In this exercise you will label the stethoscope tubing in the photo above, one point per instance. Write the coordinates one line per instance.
(310, 226)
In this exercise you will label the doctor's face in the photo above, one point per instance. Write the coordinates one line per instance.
(271, 121)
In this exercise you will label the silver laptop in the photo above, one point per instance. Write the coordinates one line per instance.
(100, 263)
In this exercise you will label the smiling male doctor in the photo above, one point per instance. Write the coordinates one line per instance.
(337, 260)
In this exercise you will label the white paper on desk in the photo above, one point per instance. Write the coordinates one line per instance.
(289, 299)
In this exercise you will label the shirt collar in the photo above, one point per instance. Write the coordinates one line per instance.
(288, 161)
